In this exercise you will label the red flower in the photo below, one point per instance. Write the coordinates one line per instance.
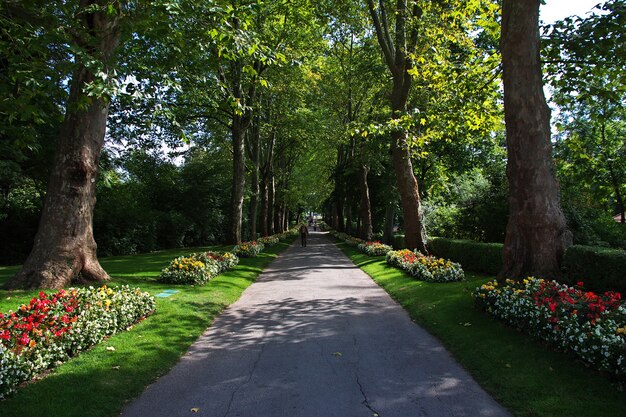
(580, 284)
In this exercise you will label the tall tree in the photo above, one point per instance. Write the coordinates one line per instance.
(536, 234)
(397, 51)
(64, 246)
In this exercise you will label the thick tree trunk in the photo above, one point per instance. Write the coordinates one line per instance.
(414, 231)
(348, 224)
(536, 233)
(239, 180)
(64, 249)
(366, 207)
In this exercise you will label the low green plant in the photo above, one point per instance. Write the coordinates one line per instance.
(248, 249)
(190, 270)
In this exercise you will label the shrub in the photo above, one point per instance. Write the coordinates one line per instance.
(425, 268)
(52, 328)
(374, 248)
(269, 240)
(398, 242)
(190, 270)
(602, 269)
(474, 256)
(225, 260)
(248, 249)
(591, 326)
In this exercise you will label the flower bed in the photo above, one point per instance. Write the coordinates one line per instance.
(225, 260)
(195, 269)
(269, 240)
(248, 249)
(54, 327)
(374, 248)
(425, 268)
(591, 326)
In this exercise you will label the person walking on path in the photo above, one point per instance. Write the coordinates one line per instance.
(304, 232)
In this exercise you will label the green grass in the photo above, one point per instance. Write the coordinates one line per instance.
(100, 382)
(522, 374)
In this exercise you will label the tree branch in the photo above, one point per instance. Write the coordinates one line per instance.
(380, 34)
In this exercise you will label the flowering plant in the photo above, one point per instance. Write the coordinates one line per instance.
(248, 249)
(590, 325)
(190, 270)
(225, 260)
(54, 327)
(374, 248)
(425, 268)
(269, 240)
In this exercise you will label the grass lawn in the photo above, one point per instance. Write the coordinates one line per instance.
(522, 374)
(100, 382)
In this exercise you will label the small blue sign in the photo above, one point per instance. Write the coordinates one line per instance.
(166, 293)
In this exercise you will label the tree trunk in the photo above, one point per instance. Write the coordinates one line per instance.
(264, 205)
(536, 233)
(271, 191)
(64, 249)
(254, 178)
(390, 212)
(366, 208)
(239, 180)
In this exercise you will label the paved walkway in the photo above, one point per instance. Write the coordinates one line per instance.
(315, 337)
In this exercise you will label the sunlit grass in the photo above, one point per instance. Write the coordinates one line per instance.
(100, 382)
(522, 374)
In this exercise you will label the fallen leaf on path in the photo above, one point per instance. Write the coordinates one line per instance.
(337, 354)
(195, 410)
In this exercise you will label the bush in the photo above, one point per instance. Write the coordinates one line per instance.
(269, 240)
(601, 269)
(225, 260)
(190, 270)
(474, 256)
(52, 328)
(374, 248)
(398, 242)
(248, 249)
(425, 268)
(591, 326)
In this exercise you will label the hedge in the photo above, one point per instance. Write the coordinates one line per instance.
(601, 269)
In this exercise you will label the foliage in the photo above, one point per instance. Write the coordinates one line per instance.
(472, 205)
(248, 249)
(591, 326)
(425, 268)
(54, 327)
(374, 248)
(225, 260)
(602, 269)
(474, 256)
(196, 269)
(269, 240)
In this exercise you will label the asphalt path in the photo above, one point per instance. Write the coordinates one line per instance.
(315, 337)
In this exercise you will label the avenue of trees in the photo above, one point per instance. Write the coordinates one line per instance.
(132, 126)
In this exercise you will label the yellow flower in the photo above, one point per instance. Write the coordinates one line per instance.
(621, 330)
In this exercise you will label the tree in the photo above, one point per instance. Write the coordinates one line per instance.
(64, 246)
(397, 53)
(536, 235)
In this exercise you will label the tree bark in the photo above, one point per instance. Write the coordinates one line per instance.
(366, 207)
(536, 233)
(264, 204)
(64, 249)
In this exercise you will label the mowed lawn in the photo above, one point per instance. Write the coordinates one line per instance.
(524, 375)
(101, 381)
